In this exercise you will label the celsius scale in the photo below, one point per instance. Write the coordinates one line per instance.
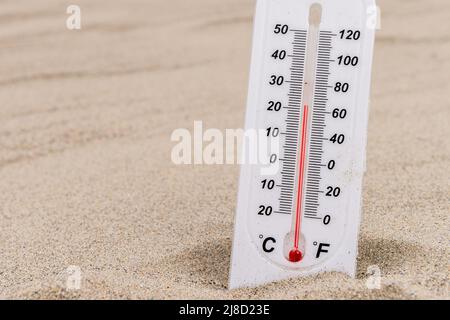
(309, 88)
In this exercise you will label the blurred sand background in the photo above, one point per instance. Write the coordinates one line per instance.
(85, 171)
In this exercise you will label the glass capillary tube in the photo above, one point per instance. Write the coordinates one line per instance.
(311, 54)
(296, 254)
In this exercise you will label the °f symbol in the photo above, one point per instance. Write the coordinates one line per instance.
(323, 248)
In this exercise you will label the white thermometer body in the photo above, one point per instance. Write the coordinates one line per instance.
(309, 90)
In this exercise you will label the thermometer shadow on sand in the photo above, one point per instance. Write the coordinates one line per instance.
(309, 84)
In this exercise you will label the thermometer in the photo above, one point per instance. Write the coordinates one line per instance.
(309, 91)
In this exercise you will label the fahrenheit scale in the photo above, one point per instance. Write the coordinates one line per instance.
(309, 88)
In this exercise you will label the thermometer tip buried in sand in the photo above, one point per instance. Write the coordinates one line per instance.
(309, 80)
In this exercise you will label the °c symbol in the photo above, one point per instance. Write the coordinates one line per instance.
(266, 244)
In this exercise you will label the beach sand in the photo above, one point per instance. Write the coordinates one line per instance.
(86, 177)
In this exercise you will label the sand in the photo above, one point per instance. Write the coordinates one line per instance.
(85, 173)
